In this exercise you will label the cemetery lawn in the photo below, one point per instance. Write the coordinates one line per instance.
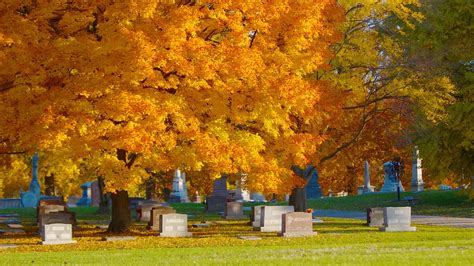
(339, 241)
(436, 203)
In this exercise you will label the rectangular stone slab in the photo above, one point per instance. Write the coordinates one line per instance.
(297, 224)
(271, 217)
(174, 225)
(118, 238)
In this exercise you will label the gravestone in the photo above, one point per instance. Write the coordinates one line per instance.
(155, 213)
(391, 182)
(234, 210)
(30, 198)
(174, 225)
(55, 234)
(180, 191)
(118, 238)
(236, 194)
(255, 215)
(313, 190)
(95, 194)
(45, 209)
(86, 198)
(397, 219)
(366, 188)
(297, 224)
(375, 217)
(271, 217)
(144, 208)
(216, 202)
(417, 183)
(197, 198)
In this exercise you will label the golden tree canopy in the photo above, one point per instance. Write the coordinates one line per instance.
(220, 86)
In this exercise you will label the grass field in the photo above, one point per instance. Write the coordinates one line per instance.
(339, 241)
(436, 203)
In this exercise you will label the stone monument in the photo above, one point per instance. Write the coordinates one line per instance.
(180, 191)
(397, 219)
(271, 217)
(255, 215)
(375, 217)
(218, 198)
(155, 214)
(417, 183)
(31, 198)
(234, 210)
(297, 224)
(174, 225)
(90, 194)
(366, 188)
(55, 234)
(313, 190)
(390, 178)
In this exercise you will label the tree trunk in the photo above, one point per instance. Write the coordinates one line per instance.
(104, 199)
(298, 199)
(121, 219)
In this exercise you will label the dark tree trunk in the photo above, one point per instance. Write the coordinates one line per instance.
(121, 218)
(298, 199)
(104, 199)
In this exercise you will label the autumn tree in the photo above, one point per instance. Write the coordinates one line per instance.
(440, 46)
(136, 85)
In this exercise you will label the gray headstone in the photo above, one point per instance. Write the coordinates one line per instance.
(144, 208)
(55, 234)
(397, 219)
(271, 217)
(255, 215)
(375, 217)
(216, 203)
(174, 225)
(234, 210)
(220, 187)
(155, 213)
(297, 224)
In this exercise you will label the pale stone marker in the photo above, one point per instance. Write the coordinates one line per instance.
(55, 234)
(270, 220)
(155, 213)
(174, 225)
(144, 209)
(234, 210)
(255, 216)
(391, 181)
(297, 224)
(118, 238)
(417, 183)
(397, 219)
(375, 217)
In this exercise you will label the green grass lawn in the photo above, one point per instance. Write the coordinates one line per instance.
(436, 203)
(339, 241)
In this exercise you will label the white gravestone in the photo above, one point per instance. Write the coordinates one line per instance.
(297, 224)
(56, 234)
(270, 220)
(174, 225)
(397, 219)
(417, 183)
(145, 209)
(234, 210)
